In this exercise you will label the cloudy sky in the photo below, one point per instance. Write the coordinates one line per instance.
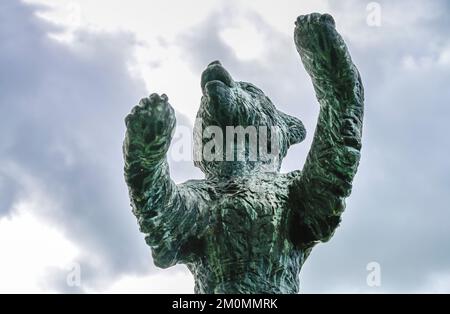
(71, 70)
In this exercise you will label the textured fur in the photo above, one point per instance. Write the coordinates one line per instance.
(247, 228)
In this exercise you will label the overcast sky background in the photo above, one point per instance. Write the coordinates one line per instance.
(71, 70)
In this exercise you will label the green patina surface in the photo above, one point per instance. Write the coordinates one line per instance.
(247, 228)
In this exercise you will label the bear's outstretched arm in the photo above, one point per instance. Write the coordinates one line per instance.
(319, 191)
(162, 208)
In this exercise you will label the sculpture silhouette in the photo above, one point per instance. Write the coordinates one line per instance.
(246, 228)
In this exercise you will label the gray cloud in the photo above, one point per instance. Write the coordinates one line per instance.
(63, 108)
(10, 191)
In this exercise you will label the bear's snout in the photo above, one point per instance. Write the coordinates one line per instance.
(216, 72)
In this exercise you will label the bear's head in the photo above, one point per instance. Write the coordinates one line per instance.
(238, 129)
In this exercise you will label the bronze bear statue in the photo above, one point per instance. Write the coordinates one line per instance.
(247, 228)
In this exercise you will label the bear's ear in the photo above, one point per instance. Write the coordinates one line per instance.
(295, 129)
